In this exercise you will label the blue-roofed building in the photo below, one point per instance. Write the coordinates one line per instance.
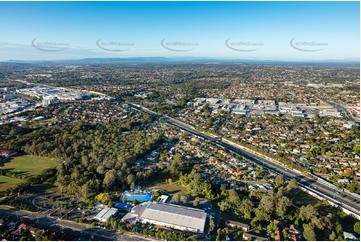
(124, 206)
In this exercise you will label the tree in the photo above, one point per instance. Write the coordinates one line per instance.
(156, 193)
(130, 179)
(279, 181)
(338, 228)
(104, 198)
(308, 213)
(246, 208)
(212, 224)
(177, 197)
(85, 190)
(354, 187)
(280, 192)
(234, 198)
(267, 204)
(282, 205)
(272, 228)
(219, 235)
(223, 189)
(292, 184)
(332, 236)
(224, 205)
(109, 179)
(260, 172)
(286, 234)
(177, 165)
(262, 215)
(309, 232)
(356, 227)
(196, 202)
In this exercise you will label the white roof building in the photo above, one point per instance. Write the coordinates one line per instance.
(105, 214)
(170, 215)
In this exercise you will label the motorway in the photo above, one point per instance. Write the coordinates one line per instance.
(340, 108)
(338, 197)
(344, 110)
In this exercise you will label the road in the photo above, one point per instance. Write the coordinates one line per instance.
(338, 197)
(340, 108)
(44, 220)
(344, 110)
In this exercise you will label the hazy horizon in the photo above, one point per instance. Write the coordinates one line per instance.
(279, 31)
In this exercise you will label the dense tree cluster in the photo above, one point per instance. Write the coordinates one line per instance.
(94, 157)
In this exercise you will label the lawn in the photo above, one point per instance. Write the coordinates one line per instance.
(171, 188)
(27, 165)
(159, 182)
(8, 182)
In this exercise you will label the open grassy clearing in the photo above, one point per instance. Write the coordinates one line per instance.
(27, 165)
(160, 182)
(8, 182)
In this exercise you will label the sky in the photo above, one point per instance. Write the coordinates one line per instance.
(225, 30)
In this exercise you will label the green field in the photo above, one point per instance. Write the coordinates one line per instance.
(171, 188)
(159, 183)
(7, 182)
(27, 165)
(19, 168)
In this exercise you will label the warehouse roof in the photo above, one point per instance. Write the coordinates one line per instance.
(105, 214)
(175, 215)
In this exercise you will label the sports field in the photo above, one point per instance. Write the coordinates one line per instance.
(27, 165)
(19, 168)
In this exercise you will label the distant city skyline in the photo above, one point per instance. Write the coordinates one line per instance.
(288, 31)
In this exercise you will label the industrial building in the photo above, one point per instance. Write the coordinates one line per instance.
(168, 215)
(105, 214)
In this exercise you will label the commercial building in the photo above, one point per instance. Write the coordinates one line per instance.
(105, 214)
(169, 215)
(238, 225)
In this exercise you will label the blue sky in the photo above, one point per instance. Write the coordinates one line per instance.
(255, 30)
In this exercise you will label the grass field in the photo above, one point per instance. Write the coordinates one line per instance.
(19, 168)
(159, 182)
(7, 182)
(171, 188)
(27, 165)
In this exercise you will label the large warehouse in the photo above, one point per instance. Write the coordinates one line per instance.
(105, 214)
(169, 215)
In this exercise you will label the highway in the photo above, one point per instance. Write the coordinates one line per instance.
(338, 197)
(340, 108)
(344, 110)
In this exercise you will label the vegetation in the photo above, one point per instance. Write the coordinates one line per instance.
(88, 162)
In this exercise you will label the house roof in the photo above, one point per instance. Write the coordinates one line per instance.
(7, 152)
